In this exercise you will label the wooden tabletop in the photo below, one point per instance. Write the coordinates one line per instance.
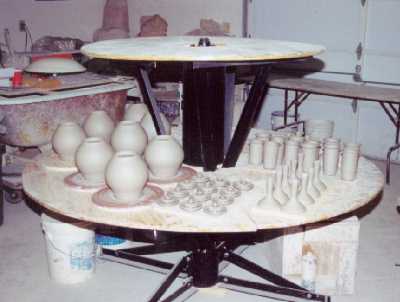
(46, 186)
(184, 48)
(333, 88)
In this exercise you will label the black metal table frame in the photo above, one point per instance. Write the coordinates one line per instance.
(206, 86)
(200, 266)
(392, 110)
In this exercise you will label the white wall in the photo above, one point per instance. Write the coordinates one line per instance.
(340, 26)
(80, 18)
(73, 18)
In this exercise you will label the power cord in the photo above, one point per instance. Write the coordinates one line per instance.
(27, 35)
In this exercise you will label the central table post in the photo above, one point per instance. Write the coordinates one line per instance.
(208, 92)
(203, 116)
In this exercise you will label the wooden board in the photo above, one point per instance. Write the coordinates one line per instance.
(72, 81)
(47, 187)
(183, 48)
(333, 88)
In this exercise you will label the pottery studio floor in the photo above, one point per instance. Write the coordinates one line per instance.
(24, 276)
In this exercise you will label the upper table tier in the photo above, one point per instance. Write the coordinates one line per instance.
(185, 49)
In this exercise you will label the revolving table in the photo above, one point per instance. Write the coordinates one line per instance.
(207, 66)
(208, 240)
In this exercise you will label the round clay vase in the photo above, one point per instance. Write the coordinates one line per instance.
(135, 112)
(148, 125)
(99, 124)
(129, 136)
(91, 159)
(66, 140)
(126, 175)
(164, 156)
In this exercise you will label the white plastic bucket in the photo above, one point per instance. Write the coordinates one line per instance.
(319, 129)
(278, 120)
(70, 250)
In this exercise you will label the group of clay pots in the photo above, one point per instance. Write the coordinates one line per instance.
(297, 163)
(272, 149)
(122, 156)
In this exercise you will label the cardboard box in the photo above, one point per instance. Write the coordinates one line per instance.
(335, 246)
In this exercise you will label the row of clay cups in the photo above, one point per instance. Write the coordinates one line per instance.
(346, 158)
(267, 145)
(279, 150)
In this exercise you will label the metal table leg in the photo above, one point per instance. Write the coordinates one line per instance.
(2, 151)
(394, 116)
(251, 108)
(149, 98)
(200, 268)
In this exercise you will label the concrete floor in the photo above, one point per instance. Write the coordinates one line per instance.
(24, 276)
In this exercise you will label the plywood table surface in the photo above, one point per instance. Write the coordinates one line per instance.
(333, 88)
(183, 48)
(47, 187)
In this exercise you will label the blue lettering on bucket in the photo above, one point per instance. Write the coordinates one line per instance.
(82, 256)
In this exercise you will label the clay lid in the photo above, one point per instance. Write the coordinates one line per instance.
(55, 65)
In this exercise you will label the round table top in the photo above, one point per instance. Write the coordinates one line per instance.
(184, 48)
(44, 183)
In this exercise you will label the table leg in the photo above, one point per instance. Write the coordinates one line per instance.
(285, 108)
(204, 116)
(149, 98)
(2, 151)
(394, 116)
(251, 108)
(200, 268)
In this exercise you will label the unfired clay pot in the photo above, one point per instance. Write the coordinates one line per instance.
(92, 158)
(99, 124)
(310, 155)
(270, 154)
(281, 150)
(129, 136)
(269, 202)
(126, 175)
(256, 152)
(148, 125)
(164, 156)
(349, 164)
(291, 150)
(278, 192)
(135, 112)
(331, 159)
(294, 206)
(66, 140)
